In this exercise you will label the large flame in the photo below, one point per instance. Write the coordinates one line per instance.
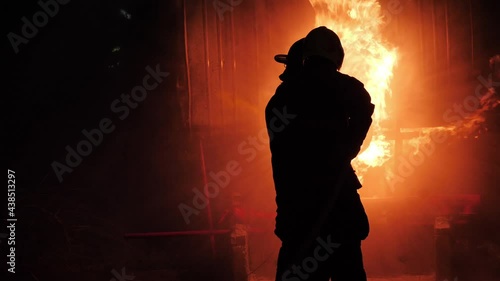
(371, 60)
(368, 58)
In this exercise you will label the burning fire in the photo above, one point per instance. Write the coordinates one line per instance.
(371, 60)
(368, 58)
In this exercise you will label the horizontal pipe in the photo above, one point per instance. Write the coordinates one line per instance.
(176, 233)
(186, 233)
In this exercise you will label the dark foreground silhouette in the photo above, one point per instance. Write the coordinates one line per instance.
(317, 121)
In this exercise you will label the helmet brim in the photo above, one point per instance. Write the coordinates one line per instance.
(281, 58)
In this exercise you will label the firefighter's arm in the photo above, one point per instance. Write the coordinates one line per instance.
(360, 111)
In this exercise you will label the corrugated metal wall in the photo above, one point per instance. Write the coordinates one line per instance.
(230, 45)
(222, 42)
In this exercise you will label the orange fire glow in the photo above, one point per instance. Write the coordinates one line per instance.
(371, 59)
(368, 58)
